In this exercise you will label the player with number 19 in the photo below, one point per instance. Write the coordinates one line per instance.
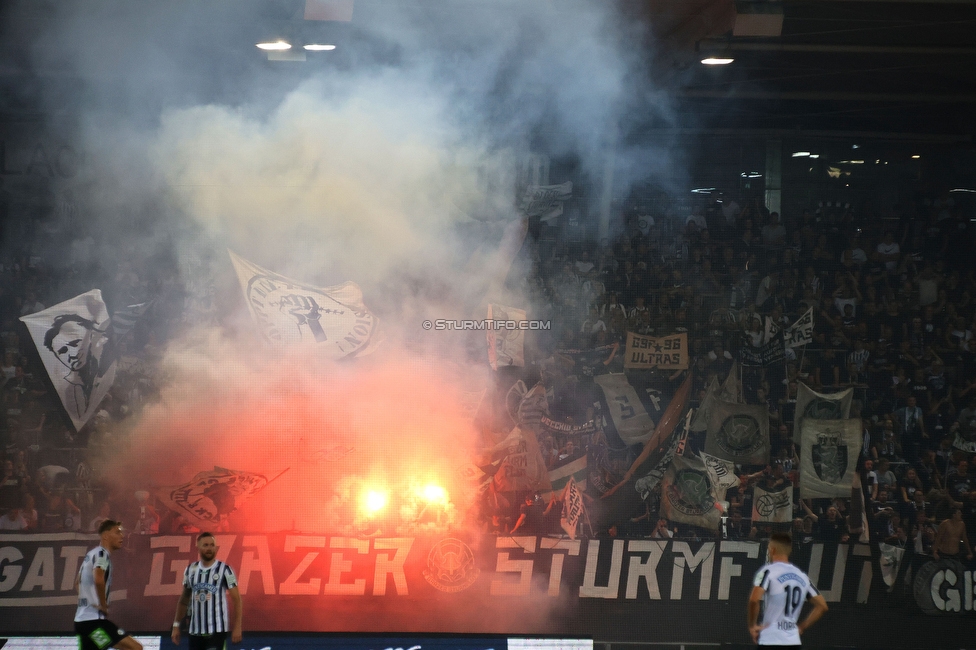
(782, 589)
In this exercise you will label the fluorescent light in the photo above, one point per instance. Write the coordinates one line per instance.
(274, 45)
(850, 162)
(319, 47)
(855, 146)
(750, 175)
(717, 60)
(703, 190)
(801, 154)
(963, 189)
(916, 157)
(814, 155)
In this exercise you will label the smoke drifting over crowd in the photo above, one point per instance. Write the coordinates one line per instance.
(395, 168)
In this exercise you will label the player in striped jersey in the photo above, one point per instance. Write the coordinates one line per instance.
(206, 584)
(782, 588)
(94, 582)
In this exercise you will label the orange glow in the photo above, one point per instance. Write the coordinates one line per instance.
(374, 501)
(435, 494)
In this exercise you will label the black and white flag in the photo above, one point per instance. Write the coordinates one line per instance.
(828, 457)
(631, 420)
(688, 496)
(821, 406)
(71, 339)
(738, 433)
(772, 507)
(801, 332)
(722, 472)
(546, 201)
(332, 319)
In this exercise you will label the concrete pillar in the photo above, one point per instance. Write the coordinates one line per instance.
(774, 175)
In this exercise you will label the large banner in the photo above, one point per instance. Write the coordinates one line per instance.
(210, 496)
(738, 433)
(332, 319)
(73, 343)
(821, 406)
(828, 457)
(772, 507)
(662, 352)
(606, 589)
(506, 347)
(688, 496)
(633, 424)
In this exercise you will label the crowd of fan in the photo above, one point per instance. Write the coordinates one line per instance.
(894, 312)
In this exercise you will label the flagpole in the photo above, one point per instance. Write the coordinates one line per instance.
(274, 479)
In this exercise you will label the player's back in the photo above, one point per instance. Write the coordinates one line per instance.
(88, 610)
(786, 589)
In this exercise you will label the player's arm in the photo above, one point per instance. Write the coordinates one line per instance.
(819, 609)
(235, 598)
(99, 575)
(181, 607)
(755, 598)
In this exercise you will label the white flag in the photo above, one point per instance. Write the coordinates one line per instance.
(801, 332)
(546, 201)
(775, 507)
(828, 457)
(572, 509)
(333, 319)
(821, 406)
(722, 472)
(506, 347)
(71, 338)
(631, 420)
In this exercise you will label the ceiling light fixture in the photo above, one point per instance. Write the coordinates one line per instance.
(814, 155)
(916, 157)
(750, 175)
(801, 154)
(717, 60)
(319, 47)
(963, 189)
(274, 45)
(703, 190)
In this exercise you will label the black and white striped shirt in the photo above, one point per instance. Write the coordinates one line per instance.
(97, 558)
(208, 598)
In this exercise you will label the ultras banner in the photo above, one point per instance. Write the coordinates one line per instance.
(609, 589)
(661, 352)
(829, 450)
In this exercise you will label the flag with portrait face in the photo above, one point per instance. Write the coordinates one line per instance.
(72, 341)
(738, 433)
(829, 450)
(332, 320)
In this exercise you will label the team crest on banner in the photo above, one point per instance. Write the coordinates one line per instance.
(72, 339)
(821, 406)
(738, 433)
(828, 457)
(210, 496)
(451, 566)
(773, 507)
(334, 319)
(688, 496)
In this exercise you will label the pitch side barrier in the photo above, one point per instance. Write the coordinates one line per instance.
(612, 590)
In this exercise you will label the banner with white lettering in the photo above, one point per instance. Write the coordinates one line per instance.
(688, 496)
(801, 332)
(721, 472)
(821, 406)
(506, 347)
(768, 354)
(662, 352)
(738, 433)
(631, 420)
(772, 507)
(545, 201)
(332, 319)
(605, 588)
(72, 339)
(968, 446)
(829, 450)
